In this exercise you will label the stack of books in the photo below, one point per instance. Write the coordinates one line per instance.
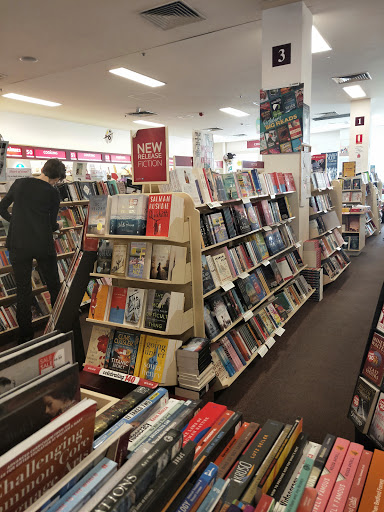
(195, 369)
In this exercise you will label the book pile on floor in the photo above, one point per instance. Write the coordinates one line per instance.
(180, 456)
(195, 370)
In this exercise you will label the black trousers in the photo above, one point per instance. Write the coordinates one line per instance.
(22, 268)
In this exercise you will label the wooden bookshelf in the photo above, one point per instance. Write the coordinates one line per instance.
(261, 351)
(12, 298)
(229, 202)
(328, 279)
(74, 203)
(36, 321)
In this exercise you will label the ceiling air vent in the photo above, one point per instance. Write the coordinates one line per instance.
(172, 15)
(325, 116)
(357, 77)
(141, 112)
(240, 135)
(2, 76)
(212, 129)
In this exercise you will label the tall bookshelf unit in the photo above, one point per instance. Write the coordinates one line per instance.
(353, 194)
(224, 381)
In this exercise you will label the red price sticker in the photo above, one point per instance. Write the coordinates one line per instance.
(381, 405)
(356, 401)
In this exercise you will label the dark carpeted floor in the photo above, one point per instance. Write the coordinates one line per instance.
(312, 369)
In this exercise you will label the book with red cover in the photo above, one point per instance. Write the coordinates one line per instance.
(290, 182)
(275, 182)
(117, 308)
(281, 180)
(372, 499)
(265, 504)
(159, 214)
(213, 431)
(267, 212)
(358, 482)
(374, 363)
(200, 424)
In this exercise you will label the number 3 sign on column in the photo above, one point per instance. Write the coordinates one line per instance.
(281, 55)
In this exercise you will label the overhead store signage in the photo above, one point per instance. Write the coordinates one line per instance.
(150, 161)
(252, 144)
(281, 120)
(29, 152)
(359, 121)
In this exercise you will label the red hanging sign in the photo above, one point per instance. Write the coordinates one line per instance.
(251, 144)
(150, 156)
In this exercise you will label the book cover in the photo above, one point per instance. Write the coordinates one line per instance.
(380, 322)
(131, 214)
(212, 328)
(119, 259)
(117, 307)
(372, 499)
(156, 314)
(160, 262)
(98, 215)
(99, 301)
(230, 186)
(104, 257)
(376, 428)
(208, 283)
(222, 268)
(191, 502)
(55, 449)
(98, 343)
(27, 408)
(159, 213)
(363, 404)
(159, 360)
(295, 129)
(138, 253)
(219, 227)
(374, 364)
(241, 219)
(358, 482)
(283, 133)
(123, 352)
(134, 306)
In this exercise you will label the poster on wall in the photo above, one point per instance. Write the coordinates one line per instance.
(332, 165)
(150, 160)
(281, 120)
(3, 157)
(318, 162)
(203, 150)
(14, 173)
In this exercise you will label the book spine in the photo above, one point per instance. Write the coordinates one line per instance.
(207, 478)
(140, 413)
(356, 491)
(298, 490)
(321, 459)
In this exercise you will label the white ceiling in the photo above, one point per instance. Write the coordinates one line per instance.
(206, 65)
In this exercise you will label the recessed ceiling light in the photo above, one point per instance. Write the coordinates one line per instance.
(319, 44)
(355, 91)
(148, 123)
(136, 77)
(28, 58)
(234, 112)
(29, 99)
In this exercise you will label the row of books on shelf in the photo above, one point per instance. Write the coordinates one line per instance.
(176, 455)
(68, 241)
(320, 180)
(63, 265)
(351, 183)
(317, 253)
(147, 357)
(334, 265)
(72, 216)
(357, 208)
(219, 271)
(320, 203)
(323, 223)
(222, 310)
(140, 260)
(367, 405)
(370, 228)
(134, 214)
(352, 197)
(135, 307)
(327, 244)
(240, 219)
(83, 190)
(206, 186)
(40, 307)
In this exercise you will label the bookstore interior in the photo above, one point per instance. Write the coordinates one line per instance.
(217, 342)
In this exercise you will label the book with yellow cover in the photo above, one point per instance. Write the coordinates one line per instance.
(158, 361)
(99, 301)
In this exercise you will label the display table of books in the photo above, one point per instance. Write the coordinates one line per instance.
(150, 452)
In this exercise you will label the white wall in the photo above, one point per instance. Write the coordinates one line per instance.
(42, 131)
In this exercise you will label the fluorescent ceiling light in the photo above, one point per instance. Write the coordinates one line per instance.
(319, 44)
(136, 77)
(234, 112)
(28, 99)
(354, 91)
(148, 123)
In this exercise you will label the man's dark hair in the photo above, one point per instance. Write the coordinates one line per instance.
(54, 168)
